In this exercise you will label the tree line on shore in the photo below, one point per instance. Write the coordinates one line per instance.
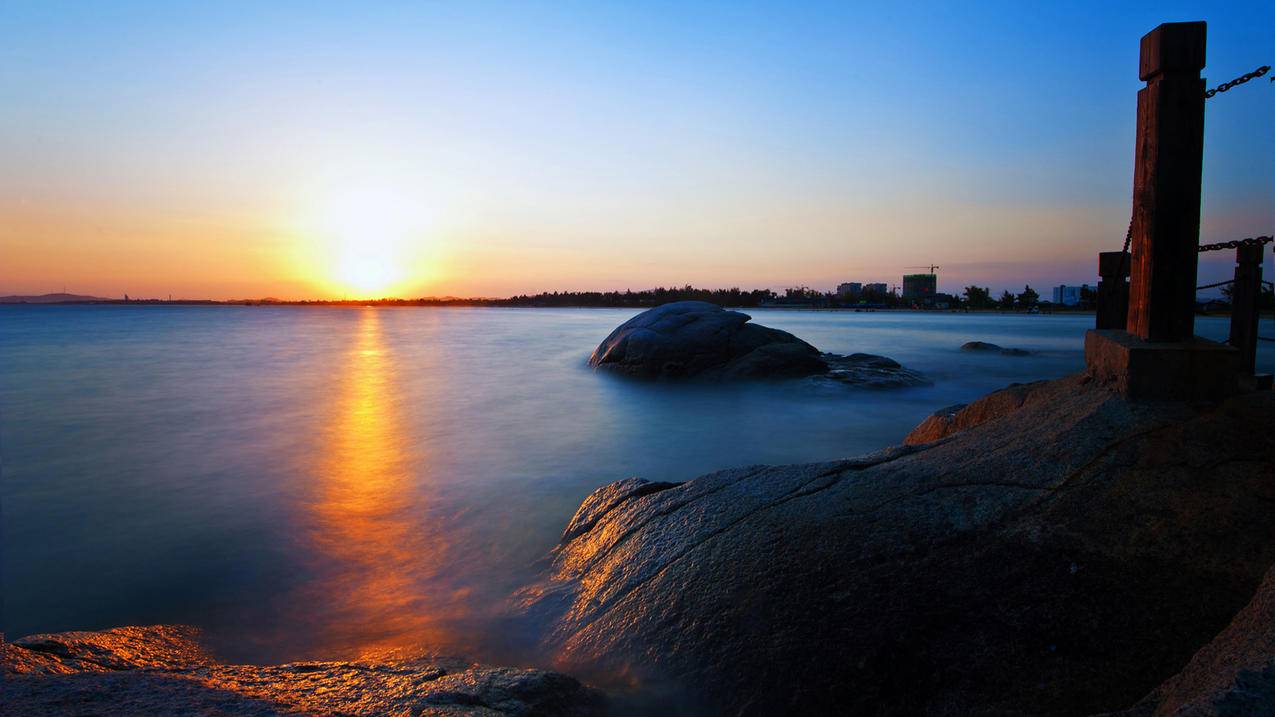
(974, 297)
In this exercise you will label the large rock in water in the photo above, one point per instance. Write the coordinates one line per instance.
(162, 670)
(1065, 554)
(695, 339)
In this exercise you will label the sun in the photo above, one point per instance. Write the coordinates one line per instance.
(369, 239)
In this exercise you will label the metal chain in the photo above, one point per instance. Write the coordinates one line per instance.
(1239, 81)
(1214, 286)
(1235, 243)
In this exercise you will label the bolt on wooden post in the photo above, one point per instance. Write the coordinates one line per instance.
(1166, 183)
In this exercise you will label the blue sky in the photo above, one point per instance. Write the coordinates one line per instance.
(541, 146)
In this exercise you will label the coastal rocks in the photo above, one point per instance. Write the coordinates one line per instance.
(960, 417)
(871, 371)
(993, 348)
(1065, 553)
(688, 339)
(1232, 675)
(162, 670)
(695, 339)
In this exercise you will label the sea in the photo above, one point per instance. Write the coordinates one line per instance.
(325, 482)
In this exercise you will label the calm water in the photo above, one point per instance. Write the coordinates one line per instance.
(317, 481)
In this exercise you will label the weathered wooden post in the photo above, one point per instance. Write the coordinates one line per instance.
(1166, 183)
(1246, 294)
(1157, 356)
(1113, 289)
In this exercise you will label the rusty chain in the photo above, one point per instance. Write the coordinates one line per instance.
(1235, 244)
(1259, 72)
(1239, 81)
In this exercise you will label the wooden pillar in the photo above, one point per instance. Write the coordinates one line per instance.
(1166, 183)
(1113, 290)
(1246, 294)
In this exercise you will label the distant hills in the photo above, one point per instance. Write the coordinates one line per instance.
(48, 299)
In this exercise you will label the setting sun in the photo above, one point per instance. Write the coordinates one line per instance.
(366, 240)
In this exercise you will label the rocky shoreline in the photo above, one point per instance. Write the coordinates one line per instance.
(163, 670)
(1048, 549)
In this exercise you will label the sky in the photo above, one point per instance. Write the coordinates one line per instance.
(314, 150)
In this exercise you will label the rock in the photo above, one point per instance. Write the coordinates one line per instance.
(162, 670)
(984, 346)
(871, 371)
(960, 417)
(695, 339)
(1065, 553)
(1234, 674)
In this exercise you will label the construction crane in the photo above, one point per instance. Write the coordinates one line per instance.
(931, 267)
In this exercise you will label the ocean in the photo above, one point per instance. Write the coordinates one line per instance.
(306, 482)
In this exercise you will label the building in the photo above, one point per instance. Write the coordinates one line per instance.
(920, 286)
(876, 289)
(1069, 295)
(849, 290)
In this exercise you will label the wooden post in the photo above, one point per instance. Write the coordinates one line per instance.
(1166, 183)
(1113, 289)
(1246, 294)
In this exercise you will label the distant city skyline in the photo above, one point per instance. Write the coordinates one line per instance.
(493, 149)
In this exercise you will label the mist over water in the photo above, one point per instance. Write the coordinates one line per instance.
(317, 482)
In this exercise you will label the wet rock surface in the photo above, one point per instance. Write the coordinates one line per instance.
(698, 340)
(162, 670)
(1064, 552)
(993, 348)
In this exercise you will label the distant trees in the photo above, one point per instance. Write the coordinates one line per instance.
(1087, 297)
(978, 297)
(1028, 298)
(1007, 300)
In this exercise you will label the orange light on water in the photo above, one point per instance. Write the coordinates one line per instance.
(381, 584)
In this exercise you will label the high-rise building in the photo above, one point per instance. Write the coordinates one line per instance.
(1069, 295)
(876, 289)
(920, 286)
(849, 289)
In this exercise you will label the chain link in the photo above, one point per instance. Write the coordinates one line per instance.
(1239, 81)
(1235, 243)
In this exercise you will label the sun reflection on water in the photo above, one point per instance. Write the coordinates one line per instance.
(380, 559)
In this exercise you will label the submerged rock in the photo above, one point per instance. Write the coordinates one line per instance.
(162, 670)
(984, 346)
(871, 371)
(695, 339)
(1064, 552)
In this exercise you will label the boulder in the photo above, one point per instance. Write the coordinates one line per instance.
(1064, 553)
(946, 421)
(992, 348)
(688, 339)
(163, 670)
(695, 339)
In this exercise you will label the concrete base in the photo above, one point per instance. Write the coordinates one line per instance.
(1198, 370)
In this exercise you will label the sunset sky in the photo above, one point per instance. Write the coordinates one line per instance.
(311, 150)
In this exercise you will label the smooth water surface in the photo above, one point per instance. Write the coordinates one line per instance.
(307, 482)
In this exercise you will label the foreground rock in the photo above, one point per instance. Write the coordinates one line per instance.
(992, 348)
(162, 670)
(1062, 552)
(1232, 675)
(695, 339)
